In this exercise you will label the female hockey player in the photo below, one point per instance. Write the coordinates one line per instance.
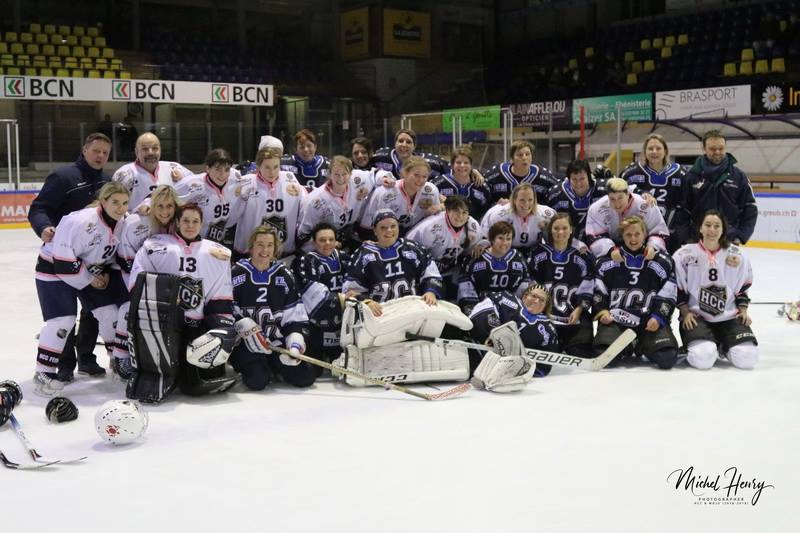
(183, 345)
(713, 278)
(320, 275)
(575, 194)
(499, 268)
(654, 175)
(268, 310)
(603, 220)
(76, 265)
(568, 275)
(411, 198)
(464, 180)
(637, 293)
(524, 213)
(270, 196)
(504, 177)
(394, 159)
(530, 314)
(392, 267)
(308, 167)
(361, 153)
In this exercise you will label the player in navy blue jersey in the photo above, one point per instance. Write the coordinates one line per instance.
(320, 275)
(504, 177)
(465, 180)
(575, 194)
(268, 310)
(637, 293)
(306, 164)
(528, 312)
(499, 268)
(568, 275)
(405, 144)
(654, 175)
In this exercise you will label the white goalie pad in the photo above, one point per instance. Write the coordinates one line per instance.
(503, 374)
(400, 316)
(505, 339)
(406, 362)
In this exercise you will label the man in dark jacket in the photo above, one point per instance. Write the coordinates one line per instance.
(67, 189)
(714, 182)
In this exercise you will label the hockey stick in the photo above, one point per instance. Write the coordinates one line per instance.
(32, 451)
(19, 466)
(455, 391)
(548, 358)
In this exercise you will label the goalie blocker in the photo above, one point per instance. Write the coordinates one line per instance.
(158, 339)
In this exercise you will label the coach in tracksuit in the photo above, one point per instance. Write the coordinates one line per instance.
(67, 189)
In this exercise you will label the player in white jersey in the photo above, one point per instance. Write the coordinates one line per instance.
(214, 191)
(204, 311)
(450, 238)
(605, 215)
(523, 212)
(713, 277)
(339, 202)
(270, 196)
(148, 171)
(76, 265)
(411, 199)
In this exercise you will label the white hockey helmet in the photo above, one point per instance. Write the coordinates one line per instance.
(120, 421)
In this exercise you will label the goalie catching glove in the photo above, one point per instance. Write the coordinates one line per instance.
(503, 373)
(253, 337)
(212, 348)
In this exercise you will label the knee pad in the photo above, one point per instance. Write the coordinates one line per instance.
(106, 317)
(744, 355)
(664, 358)
(702, 354)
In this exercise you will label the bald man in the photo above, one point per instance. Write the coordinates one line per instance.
(148, 171)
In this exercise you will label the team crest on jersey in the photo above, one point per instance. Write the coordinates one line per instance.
(427, 188)
(190, 292)
(356, 180)
(713, 300)
(292, 189)
(733, 260)
(549, 213)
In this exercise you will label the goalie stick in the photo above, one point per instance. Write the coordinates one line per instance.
(32, 451)
(545, 357)
(455, 391)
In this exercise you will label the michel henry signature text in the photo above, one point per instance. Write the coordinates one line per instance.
(729, 484)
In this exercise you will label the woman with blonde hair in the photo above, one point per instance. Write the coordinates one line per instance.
(524, 213)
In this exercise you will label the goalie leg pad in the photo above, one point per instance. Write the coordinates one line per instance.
(400, 316)
(505, 339)
(406, 362)
(155, 324)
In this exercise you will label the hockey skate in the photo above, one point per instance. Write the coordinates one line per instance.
(87, 366)
(47, 384)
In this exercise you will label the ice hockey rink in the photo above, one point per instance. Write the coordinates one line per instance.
(573, 452)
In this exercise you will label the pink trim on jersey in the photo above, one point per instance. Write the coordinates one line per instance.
(712, 256)
(151, 174)
(214, 187)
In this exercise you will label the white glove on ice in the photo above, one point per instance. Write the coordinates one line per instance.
(295, 344)
(251, 334)
(503, 374)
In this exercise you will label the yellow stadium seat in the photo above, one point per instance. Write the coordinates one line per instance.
(77, 73)
(86, 62)
(683, 38)
(93, 31)
(62, 73)
(49, 29)
(32, 49)
(26, 37)
(636, 67)
(23, 60)
(11, 37)
(34, 27)
(588, 52)
(70, 62)
(41, 38)
(78, 30)
(63, 50)
(56, 39)
(115, 63)
(39, 61)
(629, 56)
(13, 71)
(646, 44)
(573, 63)
(669, 40)
(64, 30)
(7, 60)
(54, 62)
(46, 71)
(747, 54)
(100, 41)
(729, 70)
(666, 52)
(3, 48)
(86, 41)
(746, 68)
(658, 42)
(17, 48)
(93, 51)
(778, 65)
(631, 79)
(762, 66)
(125, 75)
(78, 51)
(72, 40)
(101, 62)
(48, 50)
(94, 73)
(31, 71)
(109, 75)
(108, 53)
(649, 65)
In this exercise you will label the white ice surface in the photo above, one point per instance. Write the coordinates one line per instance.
(574, 452)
